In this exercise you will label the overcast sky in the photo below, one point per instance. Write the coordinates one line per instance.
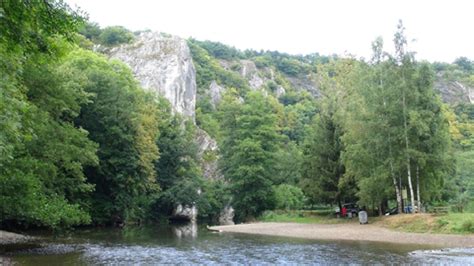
(442, 30)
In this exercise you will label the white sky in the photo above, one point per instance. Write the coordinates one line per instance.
(443, 30)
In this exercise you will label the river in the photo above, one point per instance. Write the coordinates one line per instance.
(192, 244)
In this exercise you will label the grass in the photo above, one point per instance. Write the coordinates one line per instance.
(451, 223)
(305, 217)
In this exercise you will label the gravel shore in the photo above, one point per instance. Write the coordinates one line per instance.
(7, 238)
(354, 232)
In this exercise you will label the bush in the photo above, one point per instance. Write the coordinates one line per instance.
(289, 197)
(115, 35)
(468, 226)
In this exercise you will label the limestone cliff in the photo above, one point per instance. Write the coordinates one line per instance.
(453, 91)
(162, 63)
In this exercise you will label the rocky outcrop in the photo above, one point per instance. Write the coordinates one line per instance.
(208, 154)
(280, 91)
(453, 92)
(250, 72)
(162, 63)
(215, 93)
(185, 213)
(226, 217)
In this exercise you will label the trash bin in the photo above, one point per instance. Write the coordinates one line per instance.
(363, 217)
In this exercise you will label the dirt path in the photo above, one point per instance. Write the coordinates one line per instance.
(349, 232)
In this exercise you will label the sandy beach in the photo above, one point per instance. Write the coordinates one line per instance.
(354, 232)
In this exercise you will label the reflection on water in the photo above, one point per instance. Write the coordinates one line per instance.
(193, 244)
(185, 230)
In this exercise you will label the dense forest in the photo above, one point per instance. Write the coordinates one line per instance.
(82, 143)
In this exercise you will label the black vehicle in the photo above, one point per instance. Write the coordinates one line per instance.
(352, 209)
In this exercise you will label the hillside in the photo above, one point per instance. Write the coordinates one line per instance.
(105, 126)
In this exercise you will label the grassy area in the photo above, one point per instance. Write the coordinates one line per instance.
(452, 223)
(317, 217)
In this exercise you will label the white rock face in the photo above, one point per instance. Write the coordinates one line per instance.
(280, 91)
(453, 92)
(215, 91)
(162, 63)
(208, 146)
(226, 216)
(251, 73)
(186, 212)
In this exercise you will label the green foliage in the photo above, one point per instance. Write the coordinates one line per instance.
(209, 69)
(297, 118)
(219, 50)
(179, 175)
(91, 31)
(125, 131)
(304, 217)
(396, 130)
(288, 197)
(115, 35)
(464, 63)
(215, 196)
(43, 150)
(250, 140)
(28, 25)
(288, 164)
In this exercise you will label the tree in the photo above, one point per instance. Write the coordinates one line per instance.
(43, 151)
(115, 35)
(397, 130)
(323, 167)
(122, 119)
(179, 175)
(250, 140)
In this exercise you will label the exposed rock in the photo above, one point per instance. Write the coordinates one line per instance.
(7, 238)
(208, 154)
(186, 213)
(453, 91)
(226, 217)
(250, 72)
(215, 92)
(305, 83)
(280, 91)
(162, 63)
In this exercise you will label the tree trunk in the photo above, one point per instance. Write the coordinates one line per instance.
(405, 125)
(418, 188)
(392, 172)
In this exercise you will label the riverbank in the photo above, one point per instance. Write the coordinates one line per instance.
(349, 231)
(451, 223)
(8, 238)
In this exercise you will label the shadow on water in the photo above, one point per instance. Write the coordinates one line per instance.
(189, 243)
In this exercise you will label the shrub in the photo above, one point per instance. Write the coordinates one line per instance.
(115, 35)
(289, 197)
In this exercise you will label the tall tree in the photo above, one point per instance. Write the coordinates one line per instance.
(179, 175)
(123, 120)
(404, 60)
(249, 145)
(43, 151)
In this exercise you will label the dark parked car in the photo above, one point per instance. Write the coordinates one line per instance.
(351, 210)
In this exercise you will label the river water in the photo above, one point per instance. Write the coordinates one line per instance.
(192, 244)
